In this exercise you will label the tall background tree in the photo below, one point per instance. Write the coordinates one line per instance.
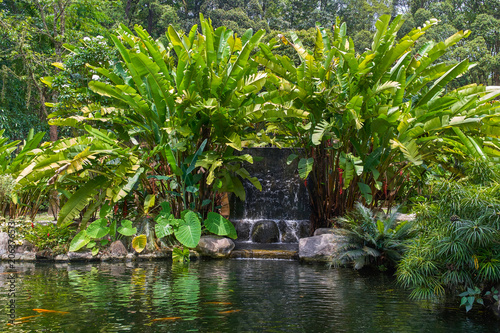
(34, 33)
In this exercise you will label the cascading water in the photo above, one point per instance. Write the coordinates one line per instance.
(280, 212)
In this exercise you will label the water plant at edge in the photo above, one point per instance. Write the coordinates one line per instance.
(458, 247)
(373, 238)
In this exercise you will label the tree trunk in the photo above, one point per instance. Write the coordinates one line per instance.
(150, 19)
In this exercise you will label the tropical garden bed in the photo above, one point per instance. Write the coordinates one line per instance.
(154, 151)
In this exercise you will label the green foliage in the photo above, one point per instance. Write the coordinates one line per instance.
(99, 233)
(219, 225)
(364, 120)
(19, 198)
(474, 295)
(50, 236)
(373, 239)
(7, 184)
(188, 228)
(34, 34)
(458, 244)
(180, 255)
(22, 226)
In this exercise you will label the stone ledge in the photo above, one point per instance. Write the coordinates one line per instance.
(264, 254)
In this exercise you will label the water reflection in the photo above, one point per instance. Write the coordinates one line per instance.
(221, 296)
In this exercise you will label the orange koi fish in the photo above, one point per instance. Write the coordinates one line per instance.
(229, 311)
(49, 311)
(24, 318)
(167, 318)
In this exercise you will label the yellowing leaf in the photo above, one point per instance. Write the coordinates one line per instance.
(139, 243)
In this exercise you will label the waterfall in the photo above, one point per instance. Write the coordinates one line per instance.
(280, 212)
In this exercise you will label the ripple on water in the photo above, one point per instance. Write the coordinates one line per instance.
(223, 296)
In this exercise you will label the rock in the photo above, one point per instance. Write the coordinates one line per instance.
(26, 247)
(215, 246)
(243, 229)
(264, 254)
(44, 255)
(287, 232)
(265, 231)
(4, 243)
(292, 231)
(61, 257)
(304, 229)
(27, 256)
(323, 231)
(405, 217)
(321, 248)
(117, 249)
(81, 256)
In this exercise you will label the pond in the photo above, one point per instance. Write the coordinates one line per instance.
(220, 296)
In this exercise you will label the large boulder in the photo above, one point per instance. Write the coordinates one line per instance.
(243, 229)
(4, 243)
(265, 231)
(215, 246)
(117, 249)
(321, 248)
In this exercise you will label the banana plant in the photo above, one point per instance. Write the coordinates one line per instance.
(26, 198)
(172, 98)
(375, 116)
(87, 171)
(177, 114)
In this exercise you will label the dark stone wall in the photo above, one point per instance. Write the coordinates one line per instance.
(283, 196)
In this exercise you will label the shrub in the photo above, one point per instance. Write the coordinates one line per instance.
(373, 239)
(459, 243)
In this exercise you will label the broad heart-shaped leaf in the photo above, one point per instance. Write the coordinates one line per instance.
(126, 228)
(305, 167)
(165, 209)
(79, 241)
(98, 228)
(218, 225)
(189, 232)
(139, 243)
(291, 158)
(163, 229)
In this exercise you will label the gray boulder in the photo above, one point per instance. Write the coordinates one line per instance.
(288, 232)
(243, 229)
(81, 256)
(117, 249)
(321, 248)
(323, 231)
(61, 258)
(215, 246)
(45, 254)
(4, 243)
(26, 247)
(265, 231)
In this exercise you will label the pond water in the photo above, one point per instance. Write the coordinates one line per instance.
(221, 296)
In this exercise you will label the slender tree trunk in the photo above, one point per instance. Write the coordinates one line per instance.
(150, 19)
